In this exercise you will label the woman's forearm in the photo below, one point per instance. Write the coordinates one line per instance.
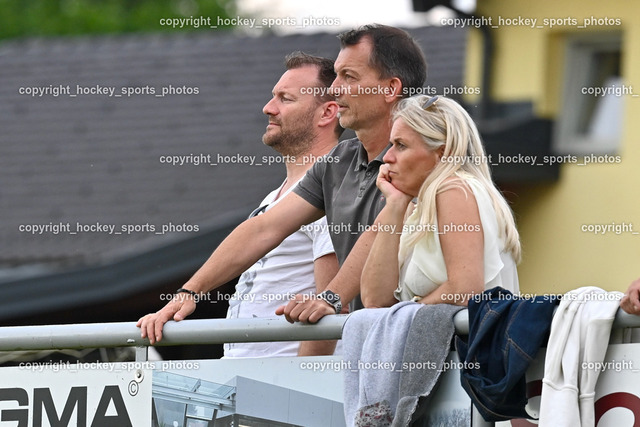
(381, 271)
(450, 293)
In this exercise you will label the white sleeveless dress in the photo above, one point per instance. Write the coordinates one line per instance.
(424, 269)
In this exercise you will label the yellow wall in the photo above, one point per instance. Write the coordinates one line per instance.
(527, 66)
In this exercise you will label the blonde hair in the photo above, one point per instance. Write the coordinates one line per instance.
(446, 123)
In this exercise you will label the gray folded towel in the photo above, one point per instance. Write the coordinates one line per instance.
(396, 356)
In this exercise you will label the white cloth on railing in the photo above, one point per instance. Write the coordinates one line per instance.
(579, 337)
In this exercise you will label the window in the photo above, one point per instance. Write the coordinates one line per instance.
(590, 120)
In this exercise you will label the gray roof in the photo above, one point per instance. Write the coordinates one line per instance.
(95, 159)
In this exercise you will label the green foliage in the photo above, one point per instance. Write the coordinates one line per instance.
(23, 18)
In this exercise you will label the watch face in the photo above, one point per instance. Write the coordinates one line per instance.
(331, 297)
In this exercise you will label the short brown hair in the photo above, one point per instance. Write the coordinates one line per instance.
(326, 73)
(394, 53)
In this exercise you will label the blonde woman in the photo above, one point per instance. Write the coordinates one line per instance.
(446, 233)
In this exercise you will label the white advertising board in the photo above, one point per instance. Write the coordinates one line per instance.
(75, 395)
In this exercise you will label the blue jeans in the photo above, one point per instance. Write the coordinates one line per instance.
(505, 333)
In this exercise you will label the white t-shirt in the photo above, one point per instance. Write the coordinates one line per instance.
(272, 281)
(425, 268)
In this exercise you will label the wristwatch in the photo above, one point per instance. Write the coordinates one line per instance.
(332, 299)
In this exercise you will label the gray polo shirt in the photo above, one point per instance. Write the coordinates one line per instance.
(343, 184)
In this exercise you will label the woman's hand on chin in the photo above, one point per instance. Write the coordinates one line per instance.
(391, 194)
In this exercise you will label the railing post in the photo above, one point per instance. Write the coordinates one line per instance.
(477, 420)
(142, 353)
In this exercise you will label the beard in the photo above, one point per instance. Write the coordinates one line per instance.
(295, 138)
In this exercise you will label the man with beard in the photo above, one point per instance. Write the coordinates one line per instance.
(376, 67)
(302, 126)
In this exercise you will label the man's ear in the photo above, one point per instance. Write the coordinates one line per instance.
(394, 91)
(329, 113)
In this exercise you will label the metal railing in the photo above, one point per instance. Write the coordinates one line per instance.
(188, 332)
(210, 331)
